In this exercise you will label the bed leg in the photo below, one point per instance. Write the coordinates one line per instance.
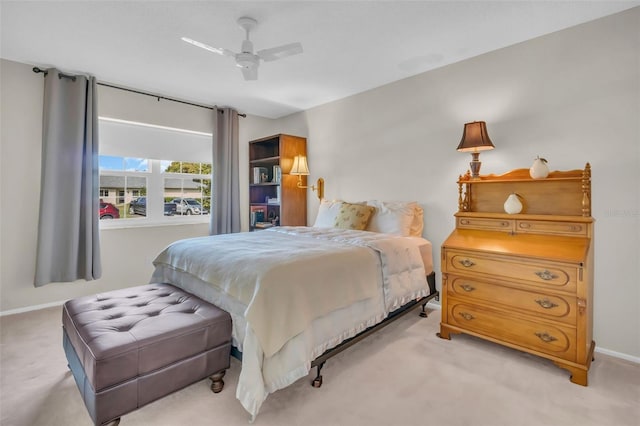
(216, 381)
(423, 314)
(317, 382)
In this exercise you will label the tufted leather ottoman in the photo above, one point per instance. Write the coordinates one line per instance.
(127, 348)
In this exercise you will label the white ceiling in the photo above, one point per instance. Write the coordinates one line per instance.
(349, 46)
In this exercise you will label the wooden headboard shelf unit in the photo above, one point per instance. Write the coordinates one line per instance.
(562, 193)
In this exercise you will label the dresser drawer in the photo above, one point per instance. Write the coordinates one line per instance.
(551, 227)
(555, 307)
(556, 340)
(485, 224)
(556, 276)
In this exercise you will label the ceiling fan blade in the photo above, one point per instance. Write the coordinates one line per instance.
(250, 73)
(279, 52)
(220, 51)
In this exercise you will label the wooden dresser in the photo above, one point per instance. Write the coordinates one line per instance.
(523, 280)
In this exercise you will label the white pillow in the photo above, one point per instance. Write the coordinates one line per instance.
(396, 217)
(327, 213)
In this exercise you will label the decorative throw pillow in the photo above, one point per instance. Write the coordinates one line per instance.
(418, 222)
(354, 216)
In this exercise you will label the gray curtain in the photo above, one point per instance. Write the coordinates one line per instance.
(225, 203)
(68, 236)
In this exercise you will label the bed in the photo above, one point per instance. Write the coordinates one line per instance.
(298, 295)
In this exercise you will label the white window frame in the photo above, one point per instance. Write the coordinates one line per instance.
(155, 187)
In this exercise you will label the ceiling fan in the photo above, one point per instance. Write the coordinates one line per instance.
(246, 59)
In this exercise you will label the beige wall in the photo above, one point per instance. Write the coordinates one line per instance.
(571, 97)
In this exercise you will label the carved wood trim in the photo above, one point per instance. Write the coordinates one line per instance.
(586, 191)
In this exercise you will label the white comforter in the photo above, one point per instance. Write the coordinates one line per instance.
(294, 292)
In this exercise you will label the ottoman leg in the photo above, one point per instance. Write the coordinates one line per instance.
(216, 381)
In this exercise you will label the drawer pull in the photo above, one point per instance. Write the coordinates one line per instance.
(467, 263)
(546, 275)
(546, 337)
(466, 316)
(546, 303)
(525, 225)
(467, 287)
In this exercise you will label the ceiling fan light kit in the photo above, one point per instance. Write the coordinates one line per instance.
(246, 59)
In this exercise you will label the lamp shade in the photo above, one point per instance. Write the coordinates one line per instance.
(475, 137)
(299, 167)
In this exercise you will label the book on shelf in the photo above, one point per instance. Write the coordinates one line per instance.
(263, 225)
(257, 215)
(260, 174)
(277, 174)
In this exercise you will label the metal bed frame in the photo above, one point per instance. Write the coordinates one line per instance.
(397, 314)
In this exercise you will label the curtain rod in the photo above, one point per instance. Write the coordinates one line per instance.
(38, 70)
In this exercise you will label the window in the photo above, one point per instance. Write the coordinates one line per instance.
(188, 185)
(122, 188)
(154, 175)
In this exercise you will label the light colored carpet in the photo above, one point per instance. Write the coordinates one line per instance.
(403, 375)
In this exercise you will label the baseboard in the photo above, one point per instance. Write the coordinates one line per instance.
(31, 308)
(431, 304)
(620, 355)
(434, 305)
